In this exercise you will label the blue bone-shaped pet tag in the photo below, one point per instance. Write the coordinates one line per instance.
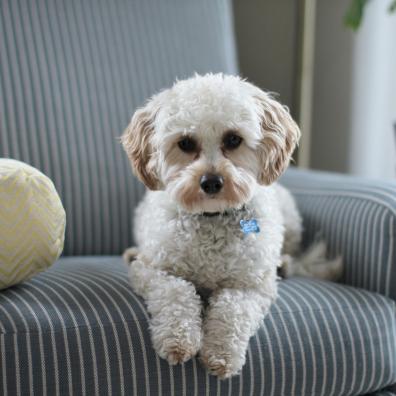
(248, 226)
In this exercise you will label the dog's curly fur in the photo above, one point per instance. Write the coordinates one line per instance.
(189, 240)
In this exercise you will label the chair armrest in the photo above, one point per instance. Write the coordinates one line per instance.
(356, 217)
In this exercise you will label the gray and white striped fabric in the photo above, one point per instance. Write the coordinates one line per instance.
(357, 218)
(78, 329)
(383, 393)
(71, 74)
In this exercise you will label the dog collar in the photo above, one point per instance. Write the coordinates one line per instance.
(225, 213)
(213, 214)
(247, 226)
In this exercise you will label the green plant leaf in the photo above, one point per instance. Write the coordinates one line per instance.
(354, 15)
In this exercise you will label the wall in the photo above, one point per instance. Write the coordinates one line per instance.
(354, 87)
(354, 98)
(373, 135)
(331, 93)
(266, 33)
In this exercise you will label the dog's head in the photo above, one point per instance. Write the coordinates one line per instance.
(209, 140)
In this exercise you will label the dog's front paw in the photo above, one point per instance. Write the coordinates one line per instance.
(221, 363)
(217, 365)
(178, 349)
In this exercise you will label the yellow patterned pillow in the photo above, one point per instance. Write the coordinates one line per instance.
(32, 222)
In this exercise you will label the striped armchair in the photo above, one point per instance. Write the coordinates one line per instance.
(71, 74)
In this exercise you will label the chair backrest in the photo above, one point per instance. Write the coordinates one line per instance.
(71, 74)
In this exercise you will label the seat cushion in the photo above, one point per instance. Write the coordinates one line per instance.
(78, 327)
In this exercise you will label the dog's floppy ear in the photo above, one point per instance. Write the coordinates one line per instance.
(280, 135)
(137, 142)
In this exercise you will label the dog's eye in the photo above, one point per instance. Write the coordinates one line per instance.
(231, 141)
(187, 144)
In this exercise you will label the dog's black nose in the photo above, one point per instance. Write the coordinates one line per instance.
(211, 184)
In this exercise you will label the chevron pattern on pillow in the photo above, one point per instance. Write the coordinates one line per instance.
(32, 222)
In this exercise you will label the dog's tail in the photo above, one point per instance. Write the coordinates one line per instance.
(313, 264)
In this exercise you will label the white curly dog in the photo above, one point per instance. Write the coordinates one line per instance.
(209, 149)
